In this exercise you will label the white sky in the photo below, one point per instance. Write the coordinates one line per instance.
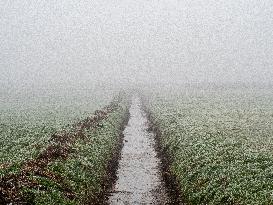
(167, 41)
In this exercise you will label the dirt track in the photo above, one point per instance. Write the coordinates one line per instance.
(139, 179)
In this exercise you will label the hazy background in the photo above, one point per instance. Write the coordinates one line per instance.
(45, 43)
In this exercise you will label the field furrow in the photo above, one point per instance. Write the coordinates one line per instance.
(75, 167)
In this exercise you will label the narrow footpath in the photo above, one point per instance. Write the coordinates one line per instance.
(138, 176)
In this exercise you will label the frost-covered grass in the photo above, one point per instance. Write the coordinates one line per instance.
(85, 169)
(28, 118)
(220, 142)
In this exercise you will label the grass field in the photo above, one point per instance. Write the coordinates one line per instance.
(60, 153)
(29, 118)
(220, 142)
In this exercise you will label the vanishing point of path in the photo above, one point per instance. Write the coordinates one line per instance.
(139, 180)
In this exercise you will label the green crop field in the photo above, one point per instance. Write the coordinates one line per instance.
(56, 149)
(219, 142)
(28, 119)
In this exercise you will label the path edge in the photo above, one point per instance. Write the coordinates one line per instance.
(170, 181)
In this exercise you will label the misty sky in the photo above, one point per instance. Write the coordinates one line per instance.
(139, 41)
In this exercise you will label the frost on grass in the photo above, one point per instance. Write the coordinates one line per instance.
(27, 122)
(71, 169)
(220, 143)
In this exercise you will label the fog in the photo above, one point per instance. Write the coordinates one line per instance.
(131, 42)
